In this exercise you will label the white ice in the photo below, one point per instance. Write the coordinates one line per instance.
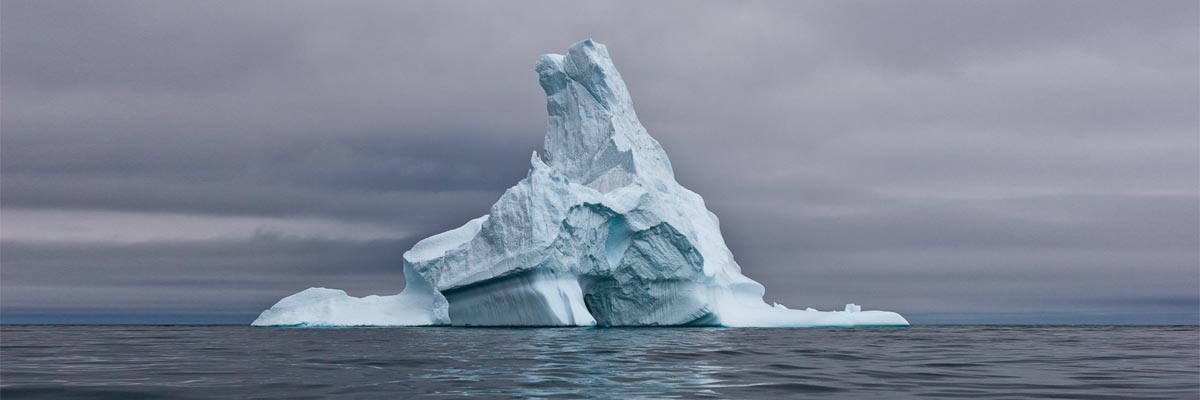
(330, 307)
(598, 233)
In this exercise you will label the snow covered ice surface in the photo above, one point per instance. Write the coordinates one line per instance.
(598, 233)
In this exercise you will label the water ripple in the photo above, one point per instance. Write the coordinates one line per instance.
(1099, 362)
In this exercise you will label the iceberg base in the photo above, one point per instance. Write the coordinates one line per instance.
(560, 298)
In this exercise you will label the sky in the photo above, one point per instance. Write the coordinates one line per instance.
(957, 162)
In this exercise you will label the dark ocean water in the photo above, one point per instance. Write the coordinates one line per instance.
(122, 362)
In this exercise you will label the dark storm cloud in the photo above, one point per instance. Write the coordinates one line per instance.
(935, 158)
(345, 175)
(1068, 223)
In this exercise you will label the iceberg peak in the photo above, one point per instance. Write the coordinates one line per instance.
(598, 233)
(588, 64)
(594, 136)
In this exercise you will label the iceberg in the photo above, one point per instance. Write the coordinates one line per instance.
(598, 233)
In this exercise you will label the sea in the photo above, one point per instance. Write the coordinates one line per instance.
(921, 362)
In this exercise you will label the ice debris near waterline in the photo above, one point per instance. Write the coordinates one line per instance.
(598, 233)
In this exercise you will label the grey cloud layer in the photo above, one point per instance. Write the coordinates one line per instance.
(1031, 155)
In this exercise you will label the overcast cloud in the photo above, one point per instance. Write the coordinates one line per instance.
(953, 161)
